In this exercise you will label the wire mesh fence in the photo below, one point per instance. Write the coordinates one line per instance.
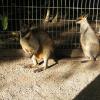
(64, 31)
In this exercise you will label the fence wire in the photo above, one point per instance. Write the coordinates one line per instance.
(65, 32)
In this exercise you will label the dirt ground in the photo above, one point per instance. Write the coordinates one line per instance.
(70, 79)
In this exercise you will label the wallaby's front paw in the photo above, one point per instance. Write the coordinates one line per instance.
(30, 66)
(38, 70)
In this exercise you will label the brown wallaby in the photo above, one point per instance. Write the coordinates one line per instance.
(88, 38)
(38, 44)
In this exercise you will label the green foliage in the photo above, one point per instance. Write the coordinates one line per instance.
(4, 22)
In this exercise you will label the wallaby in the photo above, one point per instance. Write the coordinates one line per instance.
(88, 39)
(38, 44)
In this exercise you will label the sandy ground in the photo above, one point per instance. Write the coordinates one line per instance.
(67, 80)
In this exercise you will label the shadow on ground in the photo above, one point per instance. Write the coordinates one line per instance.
(91, 92)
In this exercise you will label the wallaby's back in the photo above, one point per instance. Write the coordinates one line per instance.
(46, 43)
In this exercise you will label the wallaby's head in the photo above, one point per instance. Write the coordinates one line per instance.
(81, 19)
(17, 35)
(24, 30)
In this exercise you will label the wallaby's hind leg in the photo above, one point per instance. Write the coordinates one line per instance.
(45, 63)
(34, 60)
(90, 57)
(93, 58)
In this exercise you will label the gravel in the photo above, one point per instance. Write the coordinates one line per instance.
(67, 80)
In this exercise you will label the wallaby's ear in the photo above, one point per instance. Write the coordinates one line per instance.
(24, 28)
(28, 35)
(86, 16)
(32, 26)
